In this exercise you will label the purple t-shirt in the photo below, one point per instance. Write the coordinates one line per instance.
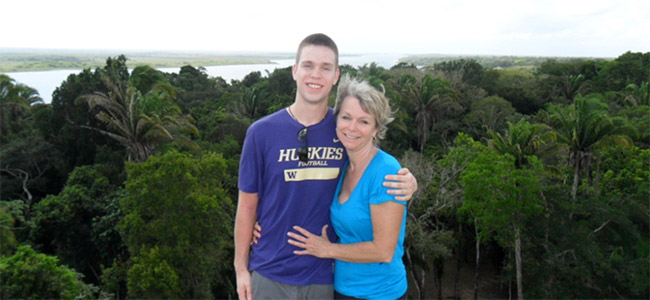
(290, 193)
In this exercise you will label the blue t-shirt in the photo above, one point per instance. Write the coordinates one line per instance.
(290, 193)
(352, 223)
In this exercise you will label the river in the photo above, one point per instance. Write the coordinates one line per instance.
(46, 81)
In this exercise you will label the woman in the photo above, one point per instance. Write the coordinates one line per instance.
(369, 223)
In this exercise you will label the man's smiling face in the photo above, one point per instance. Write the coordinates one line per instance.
(315, 73)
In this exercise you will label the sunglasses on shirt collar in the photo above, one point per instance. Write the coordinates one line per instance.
(303, 150)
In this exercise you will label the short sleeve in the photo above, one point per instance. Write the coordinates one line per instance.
(388, 165)
(249, 163)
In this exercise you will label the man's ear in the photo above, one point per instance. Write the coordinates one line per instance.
(294, 68)
(338, 73)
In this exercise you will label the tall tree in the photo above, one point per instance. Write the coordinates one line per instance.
(27, 160)
(140, 113)
(430, 99)
(178, 216)
(584, 127)
(451, 192)
(522, 140)
(502, 198)
(15, 103)
(79, 146)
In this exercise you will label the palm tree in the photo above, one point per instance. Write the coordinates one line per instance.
(15, 101)
(375, 74)
(430, 99)
(637, 95)
(572, 85)
(249, 106)
(140, 119)
(522, 140)
(584, 127)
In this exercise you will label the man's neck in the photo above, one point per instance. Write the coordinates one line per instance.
(308, 114)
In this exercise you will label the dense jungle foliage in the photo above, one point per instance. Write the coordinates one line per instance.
(536, 181)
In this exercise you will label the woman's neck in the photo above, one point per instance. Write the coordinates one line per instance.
(360, 158)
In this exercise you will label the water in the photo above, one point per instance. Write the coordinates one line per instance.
(43, 81)
(46, 81)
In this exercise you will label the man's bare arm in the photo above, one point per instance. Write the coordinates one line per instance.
(244, 222)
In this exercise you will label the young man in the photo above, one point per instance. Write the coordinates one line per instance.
(289, 169)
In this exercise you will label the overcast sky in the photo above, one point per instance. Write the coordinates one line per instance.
(594, 28)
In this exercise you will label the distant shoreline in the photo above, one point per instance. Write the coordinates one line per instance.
(29, 60)
(57, 65)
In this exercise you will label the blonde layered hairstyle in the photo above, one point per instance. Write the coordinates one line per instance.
(371, 100)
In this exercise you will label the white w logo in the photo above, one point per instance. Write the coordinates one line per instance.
(311, 174)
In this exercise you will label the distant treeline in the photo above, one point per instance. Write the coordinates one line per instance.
(37, 61)
(490, 61)
(15, 61)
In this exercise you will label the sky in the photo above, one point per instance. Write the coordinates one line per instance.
(594, 28)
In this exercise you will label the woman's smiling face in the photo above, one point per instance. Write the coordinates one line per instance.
(355, 127)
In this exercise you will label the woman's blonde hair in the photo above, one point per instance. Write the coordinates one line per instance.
(371, 100)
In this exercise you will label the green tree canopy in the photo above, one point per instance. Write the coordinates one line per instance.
(522, 140)
(502, 198)
(140, 113)
(584, 127)
(628, 68)
(70, 224)
(177, 204)
(489, 114)
(31, 275)
(430, 100)
(15, 103)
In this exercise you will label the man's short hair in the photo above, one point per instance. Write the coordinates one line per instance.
(319, 39)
